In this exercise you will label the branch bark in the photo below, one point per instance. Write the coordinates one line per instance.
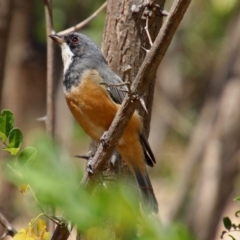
(125, 39)
(9, 229)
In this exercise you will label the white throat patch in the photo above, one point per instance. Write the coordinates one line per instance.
(66, 56)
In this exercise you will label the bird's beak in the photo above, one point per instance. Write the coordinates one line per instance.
(57, 38)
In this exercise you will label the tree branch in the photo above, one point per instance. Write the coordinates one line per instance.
(147, 71)
(62, 232)
(50, 69)
(50, 119)
(83, 23)
(9, 229)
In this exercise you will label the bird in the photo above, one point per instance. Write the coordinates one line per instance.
(94, 94)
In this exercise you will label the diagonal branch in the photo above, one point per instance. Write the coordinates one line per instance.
(83, 23)
(147, 71)
(9, 229)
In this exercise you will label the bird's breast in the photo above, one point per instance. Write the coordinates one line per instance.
(91, 105)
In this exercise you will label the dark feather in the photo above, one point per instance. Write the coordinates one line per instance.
(109, 77)
(149, 157)
(149, 199)
(117, 94)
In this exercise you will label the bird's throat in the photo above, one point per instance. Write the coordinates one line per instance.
(67, 56)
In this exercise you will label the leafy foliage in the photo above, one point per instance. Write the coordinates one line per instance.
(36, 230)
(229, 225)
(6, 124)
(110, 211)
(10, 136)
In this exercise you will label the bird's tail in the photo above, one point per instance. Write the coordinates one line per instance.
(147, 192)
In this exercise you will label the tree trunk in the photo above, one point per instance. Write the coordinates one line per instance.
(123, 43)
(125, 38)
(5, 20)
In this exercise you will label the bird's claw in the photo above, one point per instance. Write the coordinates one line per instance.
(89, 167)
(103, 141)
(133, 97)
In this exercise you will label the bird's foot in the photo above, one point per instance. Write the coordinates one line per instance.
(89, 167)
(103, 140)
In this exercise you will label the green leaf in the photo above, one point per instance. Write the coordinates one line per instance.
(3, 137)
(28, 154)
(233, 238)
(12, 151)
(237, 199)
(6, 124)
(14, 141)
(15, 138)
(227, 223)
(13, 170)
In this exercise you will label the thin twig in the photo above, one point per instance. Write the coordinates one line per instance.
(9, 229)
(147, 71)
(83, 23)
(49, 16)
(147, 31)
(50, 121)
(50, 69)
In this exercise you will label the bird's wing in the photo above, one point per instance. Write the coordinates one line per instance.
(117, 94)
(149, 157)
(110, 78)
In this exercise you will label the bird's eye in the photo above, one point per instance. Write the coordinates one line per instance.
(74, 39)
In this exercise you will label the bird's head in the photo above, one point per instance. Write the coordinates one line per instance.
(76, 45)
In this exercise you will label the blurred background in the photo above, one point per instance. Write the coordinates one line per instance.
(195, 128)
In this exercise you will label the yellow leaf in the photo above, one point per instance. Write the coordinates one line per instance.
(30, 238)
(46, 236)
(34, 231)
(41, 226)
(23, 234)
(23, 188)
(20, 236)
